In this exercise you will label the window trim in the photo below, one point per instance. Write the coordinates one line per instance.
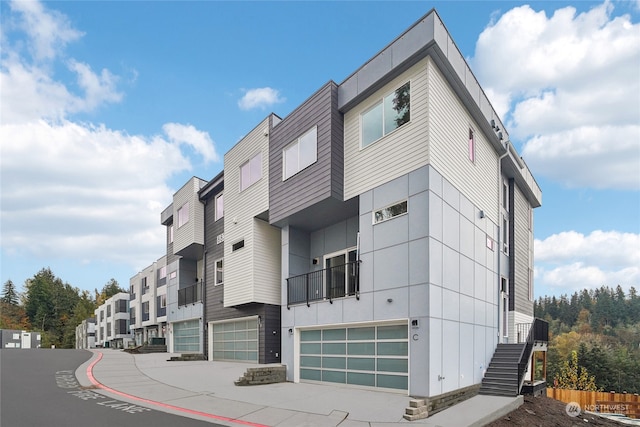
(345, 252)
(216, 215)
(216, 272)
(182, 212)
(252, 180)
(296, 143)
(400, 202)
(380, 102)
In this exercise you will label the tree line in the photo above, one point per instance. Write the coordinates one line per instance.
(51, 306)
(594, 339)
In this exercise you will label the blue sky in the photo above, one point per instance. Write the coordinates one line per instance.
(107, 108)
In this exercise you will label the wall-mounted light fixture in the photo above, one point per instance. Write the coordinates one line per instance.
(481, 214)
(290, 331)
(389, 299)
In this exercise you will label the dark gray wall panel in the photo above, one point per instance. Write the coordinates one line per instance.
(322, 179)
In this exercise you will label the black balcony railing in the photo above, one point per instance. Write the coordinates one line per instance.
(145, 317)
(328, 284)
(190, 294)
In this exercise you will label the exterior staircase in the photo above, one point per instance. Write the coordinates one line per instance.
(501, 378)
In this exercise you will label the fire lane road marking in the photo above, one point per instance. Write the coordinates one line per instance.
(67, 380)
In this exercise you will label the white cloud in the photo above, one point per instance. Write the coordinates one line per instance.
(78, 191)
(570, 261)
(85, 192)
(187, 134)
(575, 85)
(48, 31)
(260, 98)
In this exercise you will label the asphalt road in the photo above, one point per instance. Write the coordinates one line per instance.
(38, 388)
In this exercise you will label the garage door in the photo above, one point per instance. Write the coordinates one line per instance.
(236, 340)
(186, 336)
(372, 356)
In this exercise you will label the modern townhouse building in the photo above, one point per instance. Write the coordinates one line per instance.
(112, 322)
(86, 334)
(379, 236)
(184, 220)
(242, 255)
(406, 224)
(13, 338)
(148, 302)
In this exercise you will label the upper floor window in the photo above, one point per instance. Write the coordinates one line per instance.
(171, 233)
(251, 172)
(163, 301)
(505, 195)
(173, 275)
(162, 272)
(219, 272)
(386, 115)
(183, 215)
(108, 310)
(219, 207)
(472, 146)
(300, 154)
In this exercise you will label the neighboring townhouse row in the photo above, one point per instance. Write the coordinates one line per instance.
(86, 334)
(148, 303)
(112, 322)
(380, 235)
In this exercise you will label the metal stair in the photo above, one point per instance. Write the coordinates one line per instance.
(501, 378)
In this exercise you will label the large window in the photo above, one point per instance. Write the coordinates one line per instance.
(340, 273)
(251, 172)
(219, 207)
(183, 215)
(300, 154)
(219, 272)
(386, 115)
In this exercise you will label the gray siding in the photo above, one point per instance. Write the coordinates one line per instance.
(322, 179)
(520, 244)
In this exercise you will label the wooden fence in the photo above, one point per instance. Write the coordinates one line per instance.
(598, 401)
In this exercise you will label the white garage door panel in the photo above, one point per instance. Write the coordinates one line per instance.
(372, 356)
(237, 340)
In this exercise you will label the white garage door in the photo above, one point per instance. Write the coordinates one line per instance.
(236, 340)
(373, 356)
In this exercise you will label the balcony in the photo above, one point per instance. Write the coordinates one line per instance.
(327, 284)
(190, 295)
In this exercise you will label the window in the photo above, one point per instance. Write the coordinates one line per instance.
(390, 212)
(505, 195)
(145, 307)
(163, 301)
(472, 146)
(340, 273)
(108, 311)
(219, 207)
(109, 329)
(386, 115)
(173, 275)
(144, 286)
(171, 233)
(505, 235)
(300, 154)
(219, 272)
(183, 215)
(238, 245)
(101, 315)
(251, 172)
(162, 273)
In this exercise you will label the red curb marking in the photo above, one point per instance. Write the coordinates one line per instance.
(163, 405)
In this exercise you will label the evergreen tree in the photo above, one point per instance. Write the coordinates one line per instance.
(9, 294)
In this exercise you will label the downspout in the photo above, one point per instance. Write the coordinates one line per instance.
(205, 348)
(502, 156)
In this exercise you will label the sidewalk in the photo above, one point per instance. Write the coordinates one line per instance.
(205, 390)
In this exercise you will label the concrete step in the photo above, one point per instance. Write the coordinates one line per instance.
(263, 375)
